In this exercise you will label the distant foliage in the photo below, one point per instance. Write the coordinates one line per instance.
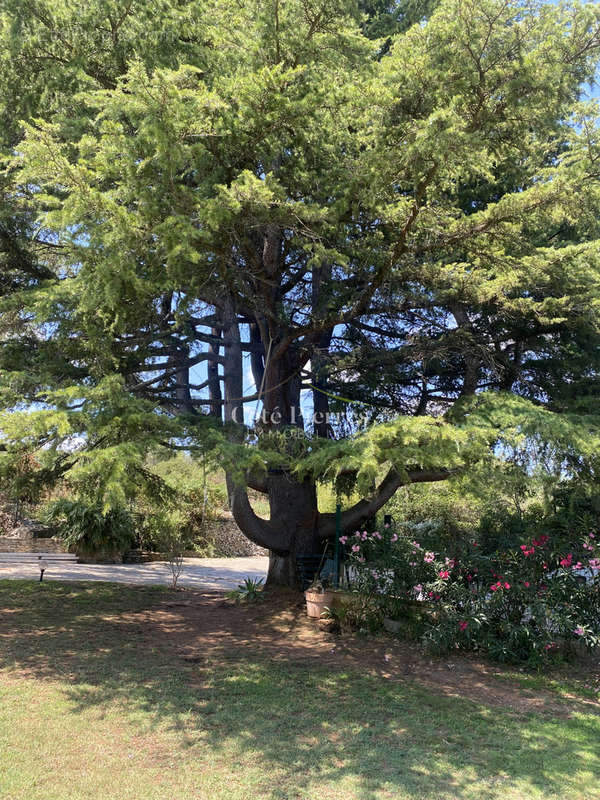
(185, 502)
(449, 506)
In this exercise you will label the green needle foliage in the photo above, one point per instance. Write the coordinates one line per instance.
(405, 225)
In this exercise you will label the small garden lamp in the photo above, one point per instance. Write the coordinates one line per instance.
(43, 565)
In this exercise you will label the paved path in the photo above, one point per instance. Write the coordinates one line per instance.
(198, 573)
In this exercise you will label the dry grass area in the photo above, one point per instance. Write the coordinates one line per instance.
(119, 692)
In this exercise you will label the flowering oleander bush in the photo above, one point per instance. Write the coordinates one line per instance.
(524, 603)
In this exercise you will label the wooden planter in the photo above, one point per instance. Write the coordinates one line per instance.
(317, 602)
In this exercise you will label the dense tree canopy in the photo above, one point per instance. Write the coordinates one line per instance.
(405, 226)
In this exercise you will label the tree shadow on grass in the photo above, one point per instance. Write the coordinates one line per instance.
(310, 725)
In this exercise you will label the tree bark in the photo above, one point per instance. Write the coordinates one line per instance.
(294, 506)
(214, 382)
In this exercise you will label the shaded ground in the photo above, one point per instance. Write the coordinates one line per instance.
(138, 692)
(204, 628)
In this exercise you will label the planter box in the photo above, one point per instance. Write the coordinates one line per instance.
(317, 602)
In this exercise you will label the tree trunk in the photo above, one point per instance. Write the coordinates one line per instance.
(214, 381)
(294, 507)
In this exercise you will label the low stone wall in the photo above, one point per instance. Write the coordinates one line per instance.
(10, 544)
(229, 541)
(224, 540)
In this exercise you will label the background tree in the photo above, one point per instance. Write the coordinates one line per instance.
(401, 226)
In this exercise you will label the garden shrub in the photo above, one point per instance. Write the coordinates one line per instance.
(526, 602)
(450, 505)
(89, 530)
(181, 515)
(185, 499)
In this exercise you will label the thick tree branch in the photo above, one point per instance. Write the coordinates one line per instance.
(353, 517)
(259, 531)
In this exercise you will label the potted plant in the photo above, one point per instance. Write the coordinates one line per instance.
(318, 598)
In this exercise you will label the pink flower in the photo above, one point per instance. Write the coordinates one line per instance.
(417, 589)
(343, 539)
(444, 574)
(429, 557)
(356, 548)
(387, 525)
(578, 565)
(526, 584)
(592, 535)
(550, 646)
(594, 563)
(450, 562)
(507, 585)
(394, 537)
(579, 631)
(376, 535)
(463, 625)
(357, 534)
(364, 536)
(566, 562)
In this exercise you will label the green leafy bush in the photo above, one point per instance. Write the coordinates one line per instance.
(523, 603)
(89, 530)
(181, 497)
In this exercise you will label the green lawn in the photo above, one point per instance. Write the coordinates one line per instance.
(93, 707)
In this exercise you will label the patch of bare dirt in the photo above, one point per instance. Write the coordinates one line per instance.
(204, 628)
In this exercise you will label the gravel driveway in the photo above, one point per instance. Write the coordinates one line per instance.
(198, 573)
